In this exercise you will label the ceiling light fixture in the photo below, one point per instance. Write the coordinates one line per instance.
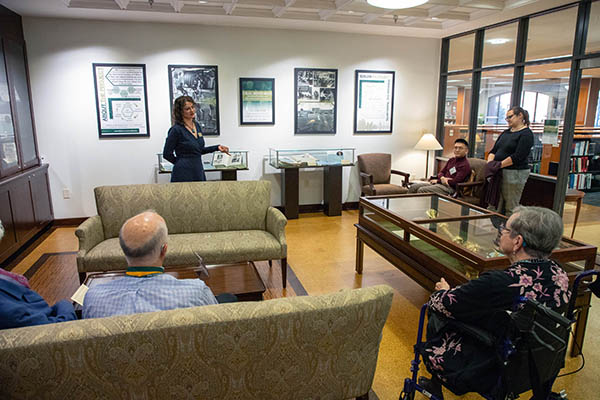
(396, 4)
(498, 41)
(202, 2)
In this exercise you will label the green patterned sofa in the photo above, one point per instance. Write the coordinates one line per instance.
(308, 347)
(224, 222)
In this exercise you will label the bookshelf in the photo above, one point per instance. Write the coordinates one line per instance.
(584, 171)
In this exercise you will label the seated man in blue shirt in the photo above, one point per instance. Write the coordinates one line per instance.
(21, 306)
(145, 287)
(456, 170)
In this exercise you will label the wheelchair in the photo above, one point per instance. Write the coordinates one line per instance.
(528, 356)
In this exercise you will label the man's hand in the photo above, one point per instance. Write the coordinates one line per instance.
(444, 180)
(442, 285)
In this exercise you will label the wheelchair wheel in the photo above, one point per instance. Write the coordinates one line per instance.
(407, 396)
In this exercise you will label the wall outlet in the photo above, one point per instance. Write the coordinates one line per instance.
(66, 193)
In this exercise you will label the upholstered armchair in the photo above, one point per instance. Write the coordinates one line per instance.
(375, 175)
(471, 191)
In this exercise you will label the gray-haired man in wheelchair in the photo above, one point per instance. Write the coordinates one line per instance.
(466, 322)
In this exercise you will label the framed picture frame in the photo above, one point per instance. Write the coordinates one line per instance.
(373, 101)
(200, 82)
(121, 100)
(315, 103)
(257, 101)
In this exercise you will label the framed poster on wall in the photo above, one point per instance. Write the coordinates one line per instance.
(257, 101)
(373, 101)
(121, 100)
(201, 83)
(315, 105)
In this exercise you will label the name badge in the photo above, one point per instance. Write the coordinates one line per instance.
(452, 170)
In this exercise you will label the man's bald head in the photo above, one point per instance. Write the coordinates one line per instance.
(143, 236)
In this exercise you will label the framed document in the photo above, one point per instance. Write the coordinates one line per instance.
(315, 104)
(121, 100)
(257, 101)
(373, 101)
(201, 83)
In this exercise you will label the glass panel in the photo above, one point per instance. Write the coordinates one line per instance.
(585, 161)
(15, 62)
(460, 55)
(8, 146)
(477, 235)
(551, 35)
(544, 96)
(494, 101)
(499, 45)
(593, 36)
(444, 258)
(423, 207)
(457, 111)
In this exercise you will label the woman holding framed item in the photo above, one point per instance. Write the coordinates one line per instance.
(185, 145)
(512, 150)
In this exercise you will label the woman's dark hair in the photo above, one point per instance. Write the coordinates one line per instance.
(178, 105)
(520, 110)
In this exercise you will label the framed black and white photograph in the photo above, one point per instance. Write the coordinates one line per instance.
(373, 101)
(200, 82)
(257, 101)
(315, 104)
(121, 100)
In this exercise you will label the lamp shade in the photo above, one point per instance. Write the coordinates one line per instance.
(396, 4)
(428, 142)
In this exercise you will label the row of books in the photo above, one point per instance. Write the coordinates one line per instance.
(581, 148)
(580, 164)
(580, 181)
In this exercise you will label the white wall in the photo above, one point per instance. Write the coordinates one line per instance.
(61, 53)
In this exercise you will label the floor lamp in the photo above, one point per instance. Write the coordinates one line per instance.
(428, 142)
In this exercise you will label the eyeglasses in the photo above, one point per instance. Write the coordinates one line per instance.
(508, 117)
(502, 228)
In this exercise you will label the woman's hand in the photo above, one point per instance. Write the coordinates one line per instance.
(442, 285)
(224, 149)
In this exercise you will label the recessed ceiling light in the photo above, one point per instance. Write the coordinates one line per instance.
(350, 12)
(534, 80)
(435, 19)
(454, 80)
(560, 70)
(396, 4)
(498, 41)
(202, 1)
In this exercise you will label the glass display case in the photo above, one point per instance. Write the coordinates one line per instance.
(311, 158)
(228, 164)
(429, 236)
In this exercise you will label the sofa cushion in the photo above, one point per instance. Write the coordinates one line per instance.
(214, 247)
(188, 207)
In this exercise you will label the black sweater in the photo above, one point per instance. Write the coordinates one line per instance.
(515, 145)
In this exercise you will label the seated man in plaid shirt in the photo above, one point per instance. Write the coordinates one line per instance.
(146, 287)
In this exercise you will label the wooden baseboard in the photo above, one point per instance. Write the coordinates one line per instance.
(69, 221)
(313, 208)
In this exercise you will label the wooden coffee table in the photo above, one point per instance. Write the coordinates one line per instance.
(241, 279)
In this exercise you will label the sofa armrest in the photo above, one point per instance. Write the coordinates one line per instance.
(276, 223)
(90, 233)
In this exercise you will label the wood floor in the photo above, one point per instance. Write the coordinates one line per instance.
(321, 251)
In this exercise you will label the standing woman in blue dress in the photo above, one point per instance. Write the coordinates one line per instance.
(185, 145)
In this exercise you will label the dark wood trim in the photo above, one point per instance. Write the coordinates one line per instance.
(24, 250)
(76, 221)
(295, 282)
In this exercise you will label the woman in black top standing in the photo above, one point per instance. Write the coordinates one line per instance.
(512, 149)
(185, 145)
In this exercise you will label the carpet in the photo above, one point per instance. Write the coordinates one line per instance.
(592, 198)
